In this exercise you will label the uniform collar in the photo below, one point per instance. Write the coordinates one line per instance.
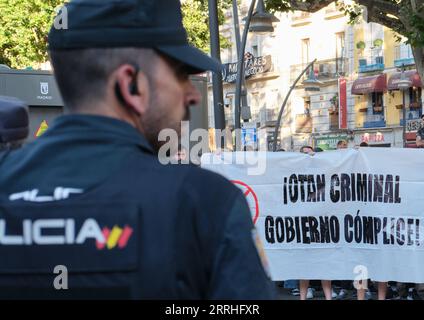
(93, 127)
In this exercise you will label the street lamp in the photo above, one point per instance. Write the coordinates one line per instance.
(261, 22)
(404, 84)
(311, 84)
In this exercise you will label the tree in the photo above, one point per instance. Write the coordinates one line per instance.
(405, 17)
(195, 19)
(24, 26)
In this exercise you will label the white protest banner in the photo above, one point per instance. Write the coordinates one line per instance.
(336, 215)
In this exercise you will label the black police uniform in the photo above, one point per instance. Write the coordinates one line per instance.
(169, 232)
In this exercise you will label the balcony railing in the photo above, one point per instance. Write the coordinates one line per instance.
(413, 118)
(375, 64)
(403, 56)
(374, 121)
(329, 69)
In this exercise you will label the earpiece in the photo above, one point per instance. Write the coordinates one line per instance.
(133, 88)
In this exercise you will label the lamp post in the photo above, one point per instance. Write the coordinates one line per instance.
(404, 84)
(218, 99)
(260, 21)
(311, 84)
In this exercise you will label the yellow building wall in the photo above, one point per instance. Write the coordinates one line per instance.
(393, 99)
(361, 102)
(358, 35)
(393, 114)
(389, 44)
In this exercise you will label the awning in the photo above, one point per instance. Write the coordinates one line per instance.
(410, 74)
(370, 84)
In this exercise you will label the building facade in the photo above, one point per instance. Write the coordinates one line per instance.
(358, 65)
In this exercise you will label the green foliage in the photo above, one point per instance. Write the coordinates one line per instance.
(378, 42)
(196, 22)
(360, 45)
(24, 25)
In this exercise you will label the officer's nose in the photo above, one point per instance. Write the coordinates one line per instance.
(193, 96)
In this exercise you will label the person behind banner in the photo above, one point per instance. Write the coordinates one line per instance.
(420, 134)
(305, 291)
(342, 144)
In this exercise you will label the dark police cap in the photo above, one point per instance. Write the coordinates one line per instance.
(13, 120)
(153, 24)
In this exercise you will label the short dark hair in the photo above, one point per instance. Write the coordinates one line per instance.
(304, 147)
(363, 144)
(341, 142)
(82, 75)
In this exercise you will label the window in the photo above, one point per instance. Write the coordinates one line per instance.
(340, 44)
(415, 98)
(255, 51)
(403, 51)
(377, 103)
(340, 51)
(305, 50)
(307, 106)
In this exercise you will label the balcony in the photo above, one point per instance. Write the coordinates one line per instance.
(300, 18)
(327, 70)
(413, 117)
(374, 121)
(376, 64)
(403, 56)
(303, 123)
(404, 62)
(267, 116)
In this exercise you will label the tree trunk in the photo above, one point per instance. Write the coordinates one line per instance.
(418, 53)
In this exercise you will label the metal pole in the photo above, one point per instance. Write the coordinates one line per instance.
(240, 73)
(218, 98)
(280, 114)
(238, 45)
(404, 119)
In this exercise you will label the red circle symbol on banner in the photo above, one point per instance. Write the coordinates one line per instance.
(250, 195)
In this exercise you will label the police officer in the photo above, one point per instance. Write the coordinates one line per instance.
(420, 134)
(88, 211)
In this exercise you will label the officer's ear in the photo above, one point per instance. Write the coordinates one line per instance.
(132, 88)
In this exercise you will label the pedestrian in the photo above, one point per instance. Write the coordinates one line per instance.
(305, 291)
(342, 144)
(420, 134)
(92, 189)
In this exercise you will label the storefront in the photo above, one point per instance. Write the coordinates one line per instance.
(371, 110)
(384, 137)
(38, 90)
(329, 142)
